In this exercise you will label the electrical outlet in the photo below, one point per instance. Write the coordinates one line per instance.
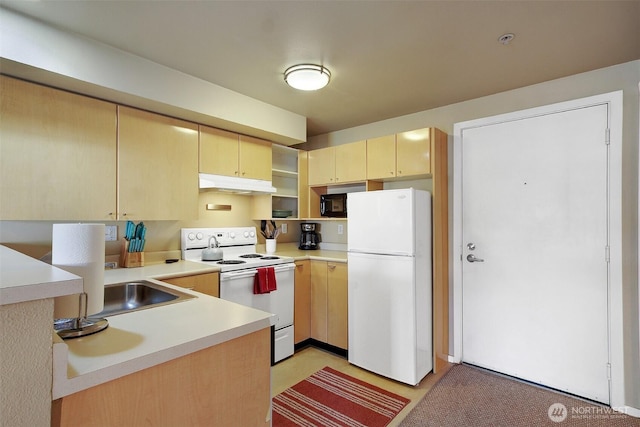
(110, 233)
(340, 229)
(284, 228)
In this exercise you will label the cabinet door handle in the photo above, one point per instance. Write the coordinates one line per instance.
(331, 266)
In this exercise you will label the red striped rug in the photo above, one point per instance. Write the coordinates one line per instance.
(330, 398)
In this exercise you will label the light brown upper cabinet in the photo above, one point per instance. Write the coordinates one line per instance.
(303, 179)
(413, 153)
(157, 166)
(381, 157)
(255, 158)
(351, 162)
(404, 154)
(57, 156)
(321, 166)
(340, 164)
(227, 153)
(70, 157)
(218, 151)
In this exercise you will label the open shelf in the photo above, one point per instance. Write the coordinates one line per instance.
(284, 173)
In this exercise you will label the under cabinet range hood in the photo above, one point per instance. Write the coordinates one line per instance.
(235, 185)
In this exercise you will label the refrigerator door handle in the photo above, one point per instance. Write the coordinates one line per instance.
(356, 251)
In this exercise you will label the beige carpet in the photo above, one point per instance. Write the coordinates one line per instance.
(468, 396)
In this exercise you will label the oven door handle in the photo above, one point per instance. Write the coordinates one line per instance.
(253, 271)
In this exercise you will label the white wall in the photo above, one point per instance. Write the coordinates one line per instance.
(623, 77)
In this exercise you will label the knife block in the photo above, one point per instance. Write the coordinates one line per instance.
(130, 259)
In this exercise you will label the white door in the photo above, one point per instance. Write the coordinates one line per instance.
(534, 209)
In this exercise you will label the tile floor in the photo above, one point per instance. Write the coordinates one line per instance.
(311, 359)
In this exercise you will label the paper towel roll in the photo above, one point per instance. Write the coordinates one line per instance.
(79, 249)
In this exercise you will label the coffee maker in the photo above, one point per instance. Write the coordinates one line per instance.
(309, 239)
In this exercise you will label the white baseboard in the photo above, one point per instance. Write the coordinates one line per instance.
(631, 411)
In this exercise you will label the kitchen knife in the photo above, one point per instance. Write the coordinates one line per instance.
(129, 230)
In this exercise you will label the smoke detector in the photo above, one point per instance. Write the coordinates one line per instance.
(506, 38)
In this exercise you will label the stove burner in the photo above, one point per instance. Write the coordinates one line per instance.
(231, 261)
(250, 256)
(270, 257)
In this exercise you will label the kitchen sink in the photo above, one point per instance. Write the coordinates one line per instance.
(133, 296)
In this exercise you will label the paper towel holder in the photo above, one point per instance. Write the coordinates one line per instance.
(82, 325)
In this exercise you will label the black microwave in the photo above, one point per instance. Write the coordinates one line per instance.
(333, 205)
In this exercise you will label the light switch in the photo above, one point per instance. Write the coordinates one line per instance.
(110, 233)
(340, 229)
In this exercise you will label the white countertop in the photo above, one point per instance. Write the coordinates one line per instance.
(157, 271)
(23, 279)
(145, 338)
(136, 340)
(133, 341)
(291, 250)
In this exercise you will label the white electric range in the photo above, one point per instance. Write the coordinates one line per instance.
(238, 269)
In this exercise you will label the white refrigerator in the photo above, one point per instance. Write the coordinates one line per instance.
(390, 284)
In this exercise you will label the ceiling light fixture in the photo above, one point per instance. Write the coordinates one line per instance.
(307, 76)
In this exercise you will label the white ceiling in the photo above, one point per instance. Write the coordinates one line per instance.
(387, 58)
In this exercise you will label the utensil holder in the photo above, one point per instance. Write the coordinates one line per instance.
(270, 245)
(133, 259)
(130, 259)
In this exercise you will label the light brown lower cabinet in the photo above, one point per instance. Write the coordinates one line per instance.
(302, 302)
(224, 385)
(208, 283)
(329, 300)
(337, 305)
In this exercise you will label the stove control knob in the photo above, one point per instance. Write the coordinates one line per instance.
(245, 234)
(191, 236)
(199, 236)
(232, 235)
(252, 233)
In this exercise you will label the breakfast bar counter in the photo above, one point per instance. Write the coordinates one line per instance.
(187, 361)
(192, 358)
(141, 339)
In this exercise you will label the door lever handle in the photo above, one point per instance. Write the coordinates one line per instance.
(472, 258)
